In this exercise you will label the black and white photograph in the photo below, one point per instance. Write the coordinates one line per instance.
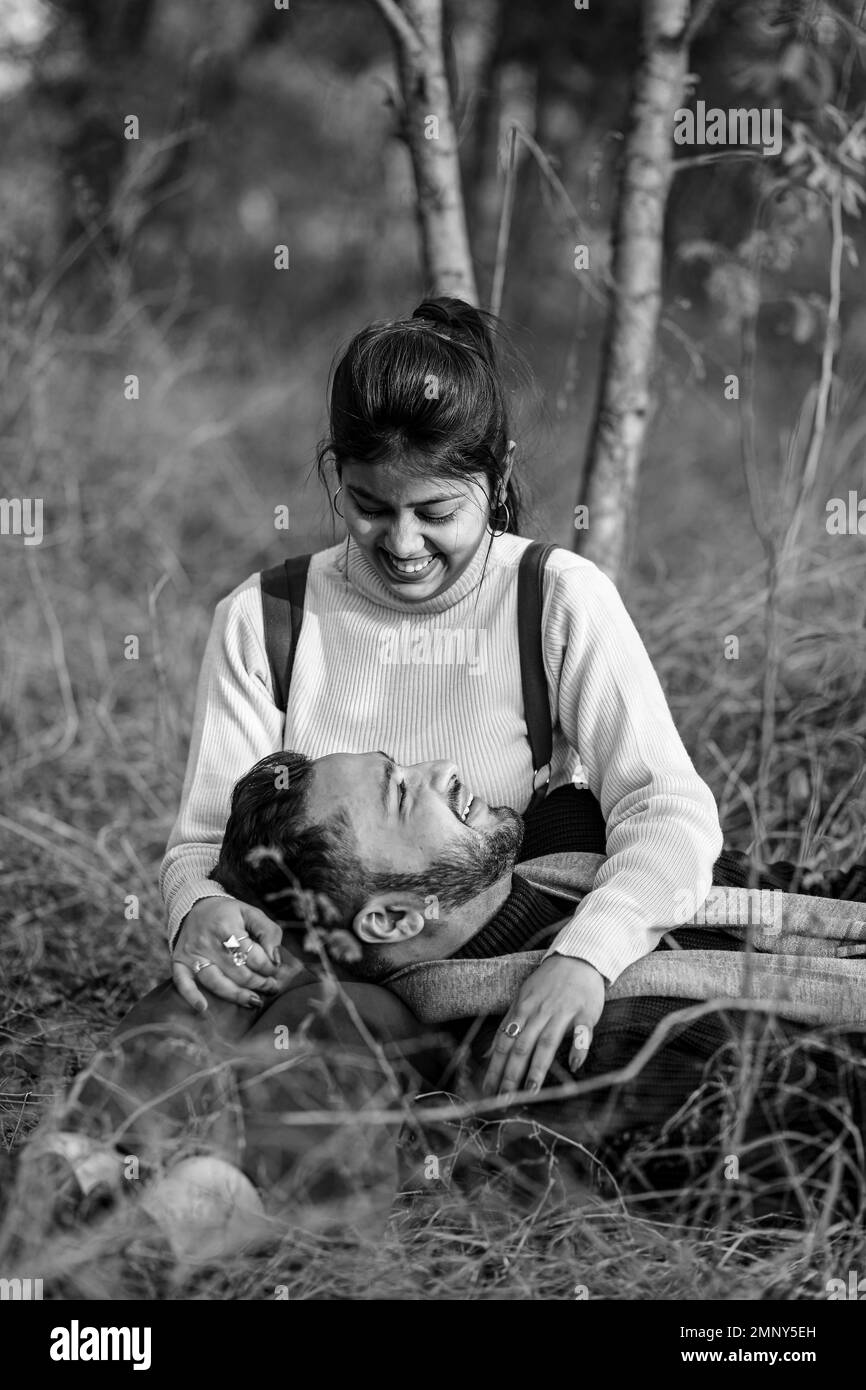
(433, 670)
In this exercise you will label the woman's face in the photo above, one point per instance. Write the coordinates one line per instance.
(419, 532)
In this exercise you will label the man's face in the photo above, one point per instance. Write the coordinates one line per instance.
(419, 820)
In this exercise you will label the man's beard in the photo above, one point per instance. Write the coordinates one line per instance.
(465, 871)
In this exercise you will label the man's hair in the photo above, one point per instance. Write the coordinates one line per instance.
(269, 813)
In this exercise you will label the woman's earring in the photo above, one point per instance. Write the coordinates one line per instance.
(499, 527)
(334, 500)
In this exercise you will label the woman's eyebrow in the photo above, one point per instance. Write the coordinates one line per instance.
(430, 502)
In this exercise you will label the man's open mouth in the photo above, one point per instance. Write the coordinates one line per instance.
(461, 801)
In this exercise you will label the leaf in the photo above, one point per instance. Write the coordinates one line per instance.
(327, 912)
(804, 323)
(698, 250)
(853, 196)
(793, 62)
(342, 946)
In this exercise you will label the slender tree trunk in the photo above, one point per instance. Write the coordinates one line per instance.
(480, 145)
(625, 397)
(428, 128)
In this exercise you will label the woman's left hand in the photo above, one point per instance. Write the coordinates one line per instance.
(564, 995)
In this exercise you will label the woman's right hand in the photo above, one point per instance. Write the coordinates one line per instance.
(204, 929)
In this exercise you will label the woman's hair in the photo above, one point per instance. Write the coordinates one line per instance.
(426, 392)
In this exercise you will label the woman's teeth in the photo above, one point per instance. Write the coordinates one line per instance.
(411, 566)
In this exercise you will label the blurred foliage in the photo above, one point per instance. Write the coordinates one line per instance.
(234, 145)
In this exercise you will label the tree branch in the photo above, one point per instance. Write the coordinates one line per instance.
(695, 160)
(702, 11)
(404, 31)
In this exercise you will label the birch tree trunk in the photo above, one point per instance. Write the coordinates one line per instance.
(428, 128)
(624, 398)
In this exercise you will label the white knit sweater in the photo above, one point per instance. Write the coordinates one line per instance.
(441, 679)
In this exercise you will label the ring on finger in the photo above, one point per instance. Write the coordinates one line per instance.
(512, 1029)
(200, 965)
(232, 944)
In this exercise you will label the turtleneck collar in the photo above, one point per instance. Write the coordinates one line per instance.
(363, 576)
(523, 923)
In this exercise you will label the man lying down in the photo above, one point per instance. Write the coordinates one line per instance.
(451, 919)
(421, 870)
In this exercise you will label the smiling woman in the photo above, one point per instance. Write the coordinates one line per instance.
(419, 441)
(419, 544)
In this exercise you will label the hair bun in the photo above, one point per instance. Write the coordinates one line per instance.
(434, 310)
(460, 319)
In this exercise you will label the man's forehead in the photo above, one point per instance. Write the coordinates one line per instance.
(337, 775)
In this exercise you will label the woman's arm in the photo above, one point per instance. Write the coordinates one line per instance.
(663, 832)
(234, 724)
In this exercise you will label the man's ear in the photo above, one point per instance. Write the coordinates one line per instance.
(388, 918)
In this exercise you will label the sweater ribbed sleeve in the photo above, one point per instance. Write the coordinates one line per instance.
(663, 832)
(234, 724)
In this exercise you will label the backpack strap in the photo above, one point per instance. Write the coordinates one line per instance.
(283, 591)
(536, 702)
